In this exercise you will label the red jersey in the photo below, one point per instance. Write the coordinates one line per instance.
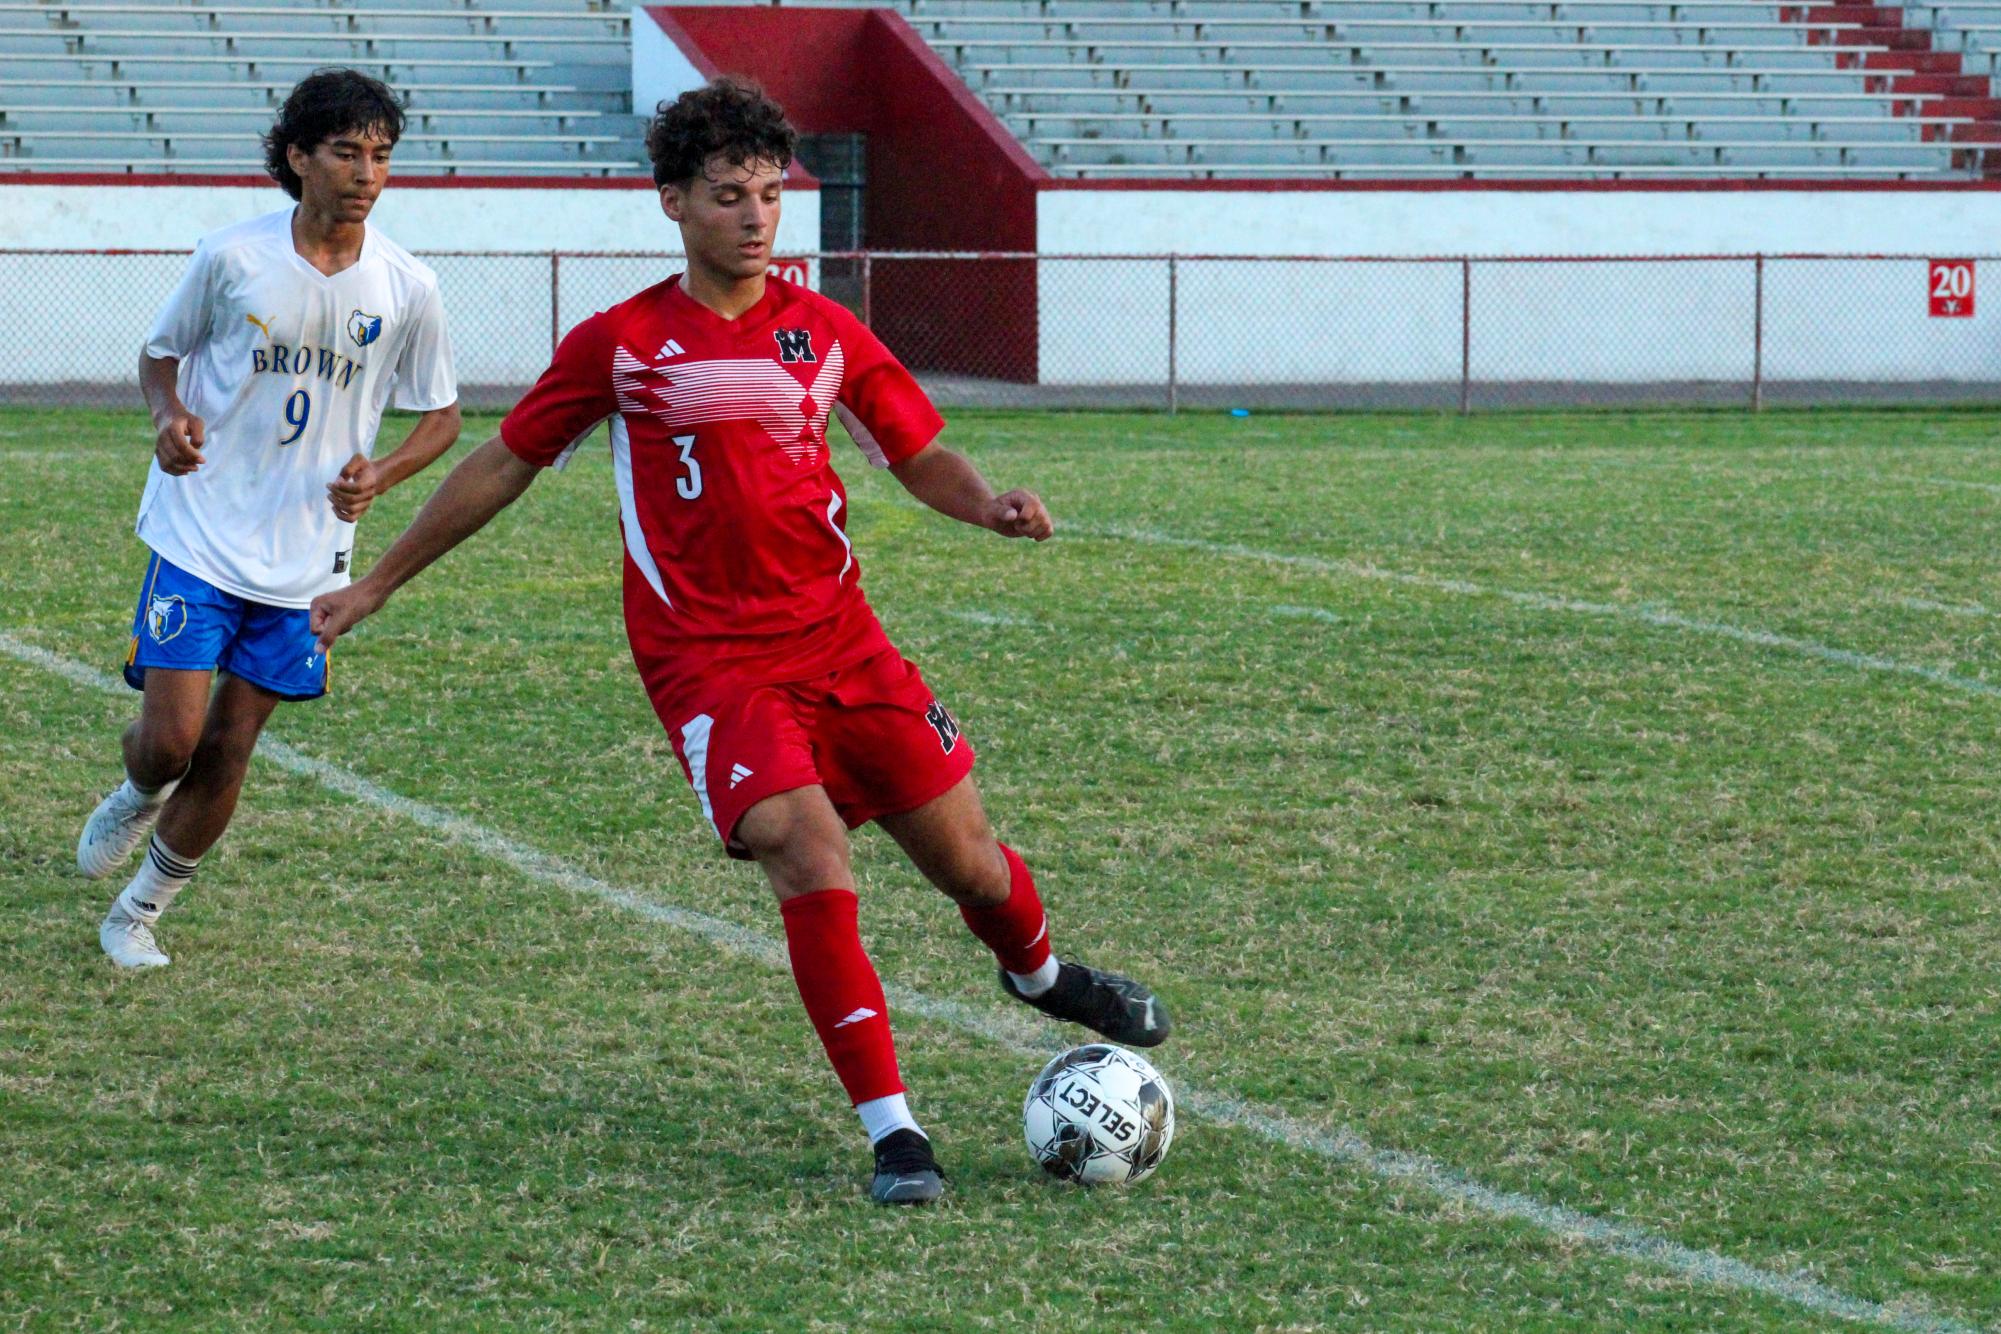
(738, 569)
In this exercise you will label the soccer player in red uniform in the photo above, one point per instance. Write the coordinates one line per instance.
(793, 716)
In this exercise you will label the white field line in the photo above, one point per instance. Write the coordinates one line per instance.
(1038, 1042)
(1990, 488)
(1638, 611)
(1306, 613)
(1944, 608)
(993, 619)
(37, 455)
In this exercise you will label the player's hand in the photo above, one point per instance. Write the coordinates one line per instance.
(178, 445)
(1020, 514)
(334, 614)
(354, 490)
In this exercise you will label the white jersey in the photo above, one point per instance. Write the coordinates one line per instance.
(289, 371)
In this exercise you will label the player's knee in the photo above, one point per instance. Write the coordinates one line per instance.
(227, 747)
(974, 874)
(167, 746)
(805, 866)
(801, 845)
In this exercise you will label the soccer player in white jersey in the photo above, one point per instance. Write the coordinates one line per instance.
(267, 374)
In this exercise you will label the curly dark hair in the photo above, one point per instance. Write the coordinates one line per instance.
(726, 116)
(325, 105)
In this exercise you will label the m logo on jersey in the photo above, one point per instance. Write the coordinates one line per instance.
(944, 724)
(166, 617)
(364, 328)
(794, 345)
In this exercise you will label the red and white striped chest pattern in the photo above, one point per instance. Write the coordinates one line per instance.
(685, 395)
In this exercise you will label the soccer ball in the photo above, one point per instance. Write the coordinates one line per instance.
(1099, 1116)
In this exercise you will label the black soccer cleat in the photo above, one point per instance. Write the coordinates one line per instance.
(905, 1171)
(1109, 1005)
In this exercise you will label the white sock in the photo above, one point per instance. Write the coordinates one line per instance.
(884, 1116)
(162, 875)
(151, 798)
(1039, 981)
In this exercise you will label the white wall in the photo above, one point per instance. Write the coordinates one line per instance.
(661, 71)
(420, 217)
(1105, 322)
(498, 307)
(1505, 222)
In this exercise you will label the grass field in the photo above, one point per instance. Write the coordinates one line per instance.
(1601, 807)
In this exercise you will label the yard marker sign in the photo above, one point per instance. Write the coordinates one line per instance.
(1950, 282)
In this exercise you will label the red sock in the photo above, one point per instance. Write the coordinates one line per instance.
(1016, 931)
(843, 995)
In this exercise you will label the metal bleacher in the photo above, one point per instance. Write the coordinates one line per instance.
(1473, 88)
(1974, 30)
(509, 87)
(1094, 88)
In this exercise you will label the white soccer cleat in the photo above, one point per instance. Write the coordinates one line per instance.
(114, 831)
(128, 940)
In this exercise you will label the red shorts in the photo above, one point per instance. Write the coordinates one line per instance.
(871, 733)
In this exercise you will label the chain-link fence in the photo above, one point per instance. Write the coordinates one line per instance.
(1211, 331)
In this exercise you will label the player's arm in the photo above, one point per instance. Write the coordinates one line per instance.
(363, 479)
(485, 482)
(178, 434)
(426, 382)
(894, 422)
(947, 481)
(566, 405)
(180, 329)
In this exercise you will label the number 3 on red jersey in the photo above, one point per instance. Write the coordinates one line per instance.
(689, 487)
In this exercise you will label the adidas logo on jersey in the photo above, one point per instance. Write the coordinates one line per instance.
(737, 774)
(670, 348)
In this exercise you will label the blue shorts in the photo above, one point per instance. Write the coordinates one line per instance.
(187, 623)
